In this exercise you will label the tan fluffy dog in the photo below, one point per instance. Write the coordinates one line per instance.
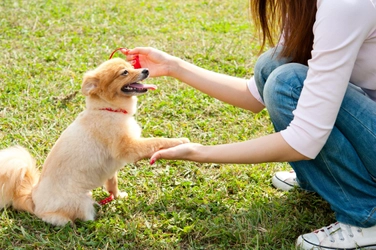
(88, 154)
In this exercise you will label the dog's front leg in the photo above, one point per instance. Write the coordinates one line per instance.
(111, 186)
(145, 147)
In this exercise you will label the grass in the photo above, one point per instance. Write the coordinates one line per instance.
(46, 46)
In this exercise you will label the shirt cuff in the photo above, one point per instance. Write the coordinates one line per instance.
(251, 84)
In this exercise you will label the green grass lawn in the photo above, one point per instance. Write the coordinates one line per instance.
(46, 46)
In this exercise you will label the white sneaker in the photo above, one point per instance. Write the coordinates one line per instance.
(285, 180)
(339, 236)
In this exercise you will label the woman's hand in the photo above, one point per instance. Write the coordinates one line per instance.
(184, 151)
(158, 62)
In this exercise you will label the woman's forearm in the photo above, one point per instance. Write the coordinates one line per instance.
(270, 148)
(228, 89)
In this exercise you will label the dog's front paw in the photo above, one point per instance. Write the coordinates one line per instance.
(185, 140)
(121, 195)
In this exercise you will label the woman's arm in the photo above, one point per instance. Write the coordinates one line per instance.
(270, 148)
(231, 90)
(225, 88)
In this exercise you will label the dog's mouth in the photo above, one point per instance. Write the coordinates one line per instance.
(137, 88)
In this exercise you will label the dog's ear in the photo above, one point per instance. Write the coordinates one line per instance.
(89, 83)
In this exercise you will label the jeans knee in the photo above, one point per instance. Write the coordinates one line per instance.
(286, 80)
(268, 57)
(265, 65)
(282, 91)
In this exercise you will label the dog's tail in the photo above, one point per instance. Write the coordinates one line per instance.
(18, 175)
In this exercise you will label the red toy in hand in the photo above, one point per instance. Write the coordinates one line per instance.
(136, 65)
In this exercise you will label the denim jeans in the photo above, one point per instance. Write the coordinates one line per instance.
(344, 172)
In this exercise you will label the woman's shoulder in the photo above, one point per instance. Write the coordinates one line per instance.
(348, 13)
(346, 6)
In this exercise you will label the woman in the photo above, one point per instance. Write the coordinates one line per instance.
(319, 87)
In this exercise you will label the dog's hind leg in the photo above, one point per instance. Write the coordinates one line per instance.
(56, 218)
(85, 212)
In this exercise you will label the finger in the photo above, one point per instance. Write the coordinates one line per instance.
(152, 161)
(139, 50)
(154, 158)
(131, 57)
(161, 154)
(124, 51)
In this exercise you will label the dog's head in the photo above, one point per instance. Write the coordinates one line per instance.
(114, 81)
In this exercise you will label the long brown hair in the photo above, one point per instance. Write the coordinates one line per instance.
(293, 18)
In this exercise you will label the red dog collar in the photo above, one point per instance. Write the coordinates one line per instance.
(115, 110)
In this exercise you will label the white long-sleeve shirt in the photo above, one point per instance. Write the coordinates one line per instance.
(344, 50)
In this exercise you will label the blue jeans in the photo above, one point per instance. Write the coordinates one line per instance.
(344, 172)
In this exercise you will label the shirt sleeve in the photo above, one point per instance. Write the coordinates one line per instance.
(340, 29)
(251, 84)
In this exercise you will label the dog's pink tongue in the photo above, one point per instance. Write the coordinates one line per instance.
(143, 86)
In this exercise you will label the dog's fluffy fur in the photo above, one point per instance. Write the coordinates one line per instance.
(87, 155)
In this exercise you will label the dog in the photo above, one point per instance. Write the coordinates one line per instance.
(88, 154)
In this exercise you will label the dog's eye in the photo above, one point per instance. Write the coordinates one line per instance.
(125, 73)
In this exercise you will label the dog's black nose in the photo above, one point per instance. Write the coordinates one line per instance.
(145, 72)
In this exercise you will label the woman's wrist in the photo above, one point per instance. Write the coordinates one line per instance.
(196, 153)
(175, 67)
